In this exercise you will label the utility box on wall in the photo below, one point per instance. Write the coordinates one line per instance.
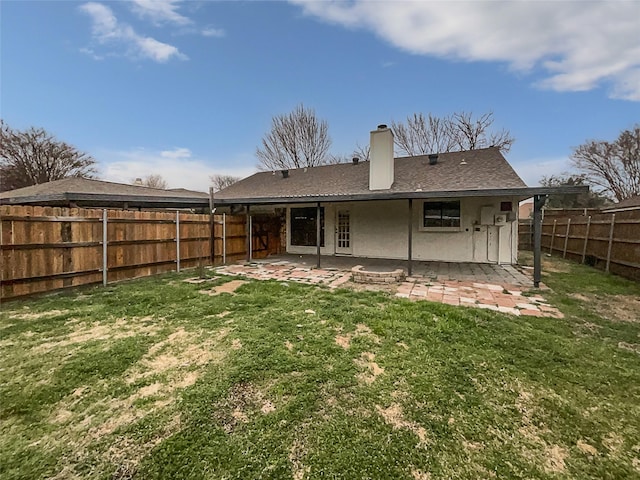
(487, 215)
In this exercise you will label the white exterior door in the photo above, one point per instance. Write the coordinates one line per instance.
(343, 232)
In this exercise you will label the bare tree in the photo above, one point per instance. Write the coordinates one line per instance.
(421, 135)
(297, 139)
(152, 181)
(474, 133)
(34, 156)
(613, 166)
(591, 199)
(222, 181)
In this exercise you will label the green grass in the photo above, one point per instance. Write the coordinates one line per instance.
(153, 379)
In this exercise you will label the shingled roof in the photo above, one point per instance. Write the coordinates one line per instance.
(477, 172)
(89, 192)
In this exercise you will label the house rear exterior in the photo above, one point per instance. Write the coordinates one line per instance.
(453, 207)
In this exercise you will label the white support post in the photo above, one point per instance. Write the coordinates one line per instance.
(566, 239)
(104, 247)
(613, 223)
(177, 240)
(586, 239)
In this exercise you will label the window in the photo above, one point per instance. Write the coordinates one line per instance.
(303, 227)
(441, 214)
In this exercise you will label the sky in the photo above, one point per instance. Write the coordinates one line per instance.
(187, 89)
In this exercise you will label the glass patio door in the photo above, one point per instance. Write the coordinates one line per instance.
(343, 232)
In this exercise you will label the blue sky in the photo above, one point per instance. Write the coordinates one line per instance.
(188, 89)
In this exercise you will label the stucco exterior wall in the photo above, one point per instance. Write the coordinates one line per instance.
(379, 229)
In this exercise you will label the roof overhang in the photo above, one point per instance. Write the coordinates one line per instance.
(520, 192)
(108, 200)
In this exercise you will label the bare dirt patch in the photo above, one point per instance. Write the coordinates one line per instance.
(361, 331)
(555, 459)
(584, 447)
(372, 369)
(229, 287)
(243, 402)
(420, 475)
(393, 416)
(617, 308)
(296, 454)
(36, 316)
(122, 328)
(632, 347)
(288, 345)
(236, 344)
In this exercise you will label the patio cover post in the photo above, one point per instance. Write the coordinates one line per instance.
(538, 203)
(248, 228)
(410, 239)
(318, 233)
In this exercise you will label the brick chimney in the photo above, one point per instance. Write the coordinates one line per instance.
(381, 159)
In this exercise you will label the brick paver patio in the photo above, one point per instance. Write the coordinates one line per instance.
(493, 287)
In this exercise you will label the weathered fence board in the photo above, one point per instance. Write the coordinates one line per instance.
(49, 248)
(607, 241)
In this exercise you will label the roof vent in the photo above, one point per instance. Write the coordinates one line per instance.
(355, 160)
(137, 181)
(463, 162)
(382, 126)
(433, 159)
(285, 173)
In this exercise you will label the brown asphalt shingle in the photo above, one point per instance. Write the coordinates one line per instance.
(482, 169)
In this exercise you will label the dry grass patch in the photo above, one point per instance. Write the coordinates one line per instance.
(361, 331)
(243, 402)
(229, 287)
(393, 416)
(372, 369)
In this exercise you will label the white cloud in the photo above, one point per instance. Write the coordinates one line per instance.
(176, 153)
(160, 11)
(532, 170)
(579, 45)
(178, 167)
(213, 32)
(106, 29)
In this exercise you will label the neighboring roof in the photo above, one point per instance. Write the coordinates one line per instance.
(631, 203)
(94, 193)
(481, 172)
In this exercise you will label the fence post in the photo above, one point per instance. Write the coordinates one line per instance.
(553, 236)
(613, 222)
(586, 239)
(566, 238)
(224, 238)
(104, 247)
(177, 240)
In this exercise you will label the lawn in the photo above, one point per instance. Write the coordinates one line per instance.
(160, 378)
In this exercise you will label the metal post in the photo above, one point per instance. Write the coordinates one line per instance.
(538, 203)
(104, 247)
(318, 234)
(410, 239)
(613, 223)
(248, 232)
(553, 236)
(566, 238)
(177, 241)
(224, 238)
(586, 239)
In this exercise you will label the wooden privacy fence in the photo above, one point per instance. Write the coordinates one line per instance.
(610, 242)
(49, 248)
